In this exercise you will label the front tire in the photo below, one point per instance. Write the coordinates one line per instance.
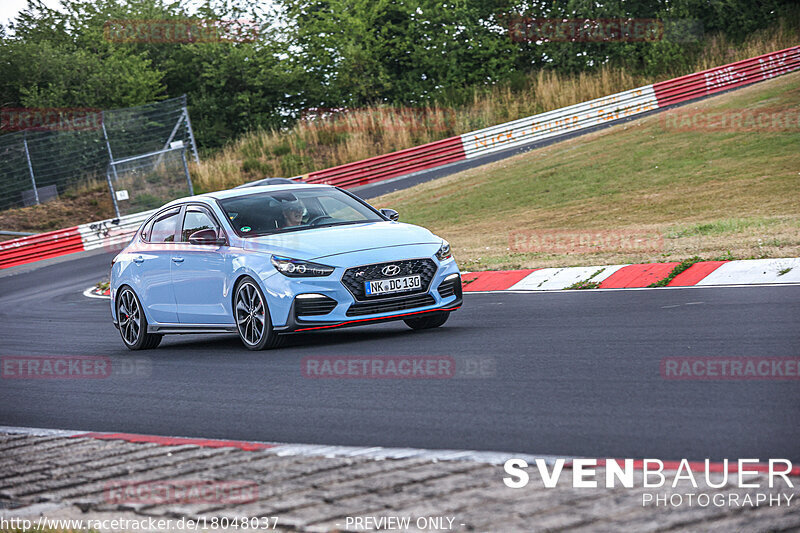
(133, 323)
(252, 317)
(428, 321)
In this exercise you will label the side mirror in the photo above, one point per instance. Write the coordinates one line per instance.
(206, 236)
(391, 214)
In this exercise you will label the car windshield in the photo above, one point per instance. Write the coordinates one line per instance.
(293, 210)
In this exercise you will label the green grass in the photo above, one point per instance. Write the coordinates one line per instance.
(683, 265)
(586, 283)
(708, 193)
(718, 227)
(581, 285)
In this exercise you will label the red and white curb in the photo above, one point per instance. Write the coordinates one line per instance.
(784, 271)
(370, 452)
(742, 273)
(96, 292)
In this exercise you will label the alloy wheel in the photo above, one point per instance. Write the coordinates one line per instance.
(130, 317)
(250, 313)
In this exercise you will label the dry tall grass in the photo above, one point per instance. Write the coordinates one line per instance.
(328, 138)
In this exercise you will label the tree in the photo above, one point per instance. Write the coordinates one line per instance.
(57, 59)
(69, 58)
(367, 51)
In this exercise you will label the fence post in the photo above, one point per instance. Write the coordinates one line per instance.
(108, 146)
(113, 192)
(186, 169)
(191, 133)
(171, 135)
(30, 167)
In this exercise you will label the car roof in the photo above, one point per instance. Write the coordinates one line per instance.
(245, 191)
(266, 181)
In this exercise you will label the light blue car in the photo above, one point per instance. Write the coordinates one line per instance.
(269, 260)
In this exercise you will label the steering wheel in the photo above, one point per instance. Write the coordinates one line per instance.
(316, 219)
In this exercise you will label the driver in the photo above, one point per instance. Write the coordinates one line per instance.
(292, 214)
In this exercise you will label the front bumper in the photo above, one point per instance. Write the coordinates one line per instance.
(297, 324)
(346, 310)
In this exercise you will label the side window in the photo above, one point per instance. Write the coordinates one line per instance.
(163, 229)
(196, 219)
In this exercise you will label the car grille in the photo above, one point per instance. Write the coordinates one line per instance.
(354, 278)
(313, 306)
(450, 287)
(409, 302)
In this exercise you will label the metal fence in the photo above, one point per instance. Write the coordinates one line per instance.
(149, 180)
(139, 152)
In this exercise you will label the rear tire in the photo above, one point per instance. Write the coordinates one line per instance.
(132, 322)
(251, 314)
(432, 320)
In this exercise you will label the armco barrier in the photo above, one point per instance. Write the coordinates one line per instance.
(109, 234)
(553, 123)
(399, 163)
(38, 247)
(727, 77)
(486, 141)
(577, 117)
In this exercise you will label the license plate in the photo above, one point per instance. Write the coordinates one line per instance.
(388, 286)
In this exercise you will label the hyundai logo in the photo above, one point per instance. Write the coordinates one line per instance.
(390, 270)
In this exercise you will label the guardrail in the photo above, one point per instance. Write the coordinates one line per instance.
(112, 234)
(38, 247)
(607, 110)
(392, 165)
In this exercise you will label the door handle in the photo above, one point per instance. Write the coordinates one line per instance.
(138, 260)
(177, 259)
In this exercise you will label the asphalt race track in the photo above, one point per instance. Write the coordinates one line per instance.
(574, 374)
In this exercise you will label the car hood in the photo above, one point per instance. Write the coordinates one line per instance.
(319, 243)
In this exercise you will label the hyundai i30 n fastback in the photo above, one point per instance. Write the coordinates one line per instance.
(271, 260)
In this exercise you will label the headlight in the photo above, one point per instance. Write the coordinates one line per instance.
(295, 268)
(444, 251)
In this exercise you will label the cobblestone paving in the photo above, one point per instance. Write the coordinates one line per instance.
(76, 478)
